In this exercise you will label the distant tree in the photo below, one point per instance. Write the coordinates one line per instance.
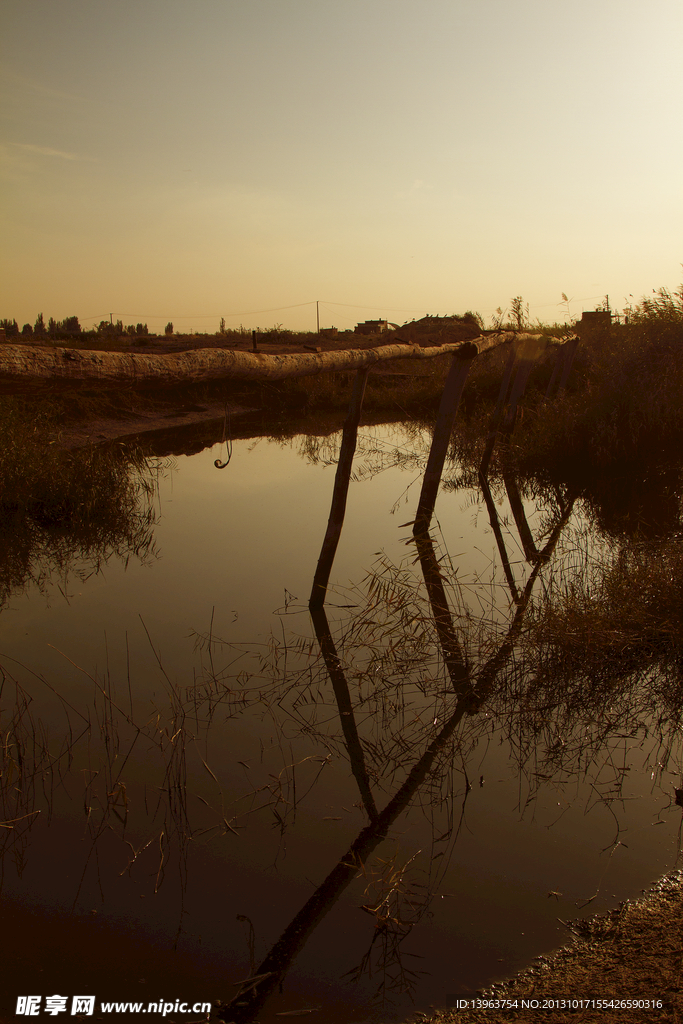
(27, 329)
(130, 329)
(107, 327)
(71, 325)
(141, 329)
(222, 329)
(52, 327)
(39, 326)
(11, 327)
(168, 329)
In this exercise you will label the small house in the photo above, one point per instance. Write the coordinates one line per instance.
(372, 327)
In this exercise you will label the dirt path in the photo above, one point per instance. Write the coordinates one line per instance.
(632, 953)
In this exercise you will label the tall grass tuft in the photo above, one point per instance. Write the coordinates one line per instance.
(58, 507)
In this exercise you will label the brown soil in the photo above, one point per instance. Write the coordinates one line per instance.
(163, 408)
(632, 953)
(147, 420)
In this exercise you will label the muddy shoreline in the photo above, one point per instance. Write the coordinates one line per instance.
(633, 953)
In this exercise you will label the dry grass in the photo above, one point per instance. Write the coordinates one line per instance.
(62, 508)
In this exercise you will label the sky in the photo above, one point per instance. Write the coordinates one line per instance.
(188, 160)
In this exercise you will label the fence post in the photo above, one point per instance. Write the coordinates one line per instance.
(448, 407)
(340, 491)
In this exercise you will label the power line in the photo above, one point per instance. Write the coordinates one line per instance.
(204, 316)
(300, 305)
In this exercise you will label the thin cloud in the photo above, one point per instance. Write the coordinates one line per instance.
(418, 185)
(45, 151)
(26, 82)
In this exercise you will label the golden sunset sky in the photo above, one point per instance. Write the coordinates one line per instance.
(190, 159)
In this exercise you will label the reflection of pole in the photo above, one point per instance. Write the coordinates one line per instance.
(516, 504)
(450, 645)
(255, 990)
(498, 534)
(448, 407)
(345, 707)
(341, 488)
(493, 666)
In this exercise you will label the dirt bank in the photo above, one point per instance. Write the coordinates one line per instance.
(632, 953)
(147, 419)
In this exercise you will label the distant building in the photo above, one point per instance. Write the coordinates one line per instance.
(594, 324)
(372, 327)
(329, 332)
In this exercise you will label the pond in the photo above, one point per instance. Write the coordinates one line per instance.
(389, 802)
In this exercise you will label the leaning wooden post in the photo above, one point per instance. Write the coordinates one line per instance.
(498, 411)
(555, 375)
(530, 347)
(571, 347)
(340, 491)
(448, 407)
(516, 393)
(563, 364)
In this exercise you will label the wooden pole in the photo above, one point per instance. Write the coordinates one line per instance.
(340, 492)
(529, 347)
(448, 407)
(498, 411)
(571, 347)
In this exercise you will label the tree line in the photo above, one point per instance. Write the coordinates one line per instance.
(70, 327)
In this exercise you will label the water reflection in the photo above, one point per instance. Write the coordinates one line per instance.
(426, 685)
(469, 691)
(66, 514)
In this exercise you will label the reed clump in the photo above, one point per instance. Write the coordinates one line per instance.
(620, 411)
(58, 507)
(629, 618)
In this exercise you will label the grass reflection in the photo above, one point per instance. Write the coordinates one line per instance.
(67, 513)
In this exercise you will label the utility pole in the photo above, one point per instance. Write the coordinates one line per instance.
(317, 315)
(111, 318)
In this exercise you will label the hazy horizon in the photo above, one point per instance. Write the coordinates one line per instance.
(392, 158)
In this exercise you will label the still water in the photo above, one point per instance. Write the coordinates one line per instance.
(188, 776)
